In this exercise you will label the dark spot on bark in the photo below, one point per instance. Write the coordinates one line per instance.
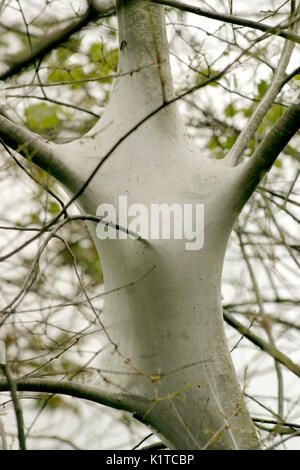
(123, 44)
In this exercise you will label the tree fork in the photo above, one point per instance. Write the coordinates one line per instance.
(165, 333)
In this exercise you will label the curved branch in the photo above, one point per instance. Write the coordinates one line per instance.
(120, 401)
(31, 146)
(264, 105)
(255, 168)
(45, 45)
(290, 76)
(276, 30)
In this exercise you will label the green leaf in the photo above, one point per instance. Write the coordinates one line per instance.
(278, 163)
(34, 218)
(58, 75)
(53, 208)
(247, 111)
(103, 60)
(41, 116)
(96, 52)
(271, 118)
(204, 74)
(213, 143)
(230, 110)
(101, 56)
(76, 74)
(230, 139)
(251, 148)
(262, 87)
(63, 54)
(291, 151)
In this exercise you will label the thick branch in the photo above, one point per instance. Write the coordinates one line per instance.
(275, 30)
(131, 403)
(45, 45)
(31, 146)
(255, 168)
(265, 104)
(263, 345)
(250, 173)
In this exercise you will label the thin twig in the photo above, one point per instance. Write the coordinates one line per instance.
(266, 102)
(263, 345)
(265, 322)
(2, 435)
(12, 387)
(277, 30)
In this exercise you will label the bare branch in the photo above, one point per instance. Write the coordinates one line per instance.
(255, 168)
(17, 407)
(45, 45)
(265, 321)
(31, 146)
(61, 103)
(131, 403)
(265, 104)
(275, 30)
(3, 436)
(263, 345)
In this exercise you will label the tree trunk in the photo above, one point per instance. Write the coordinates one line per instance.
(163, 319)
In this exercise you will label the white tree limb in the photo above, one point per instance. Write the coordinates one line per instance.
(254, 169)
(233, 157)
(32, 147)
